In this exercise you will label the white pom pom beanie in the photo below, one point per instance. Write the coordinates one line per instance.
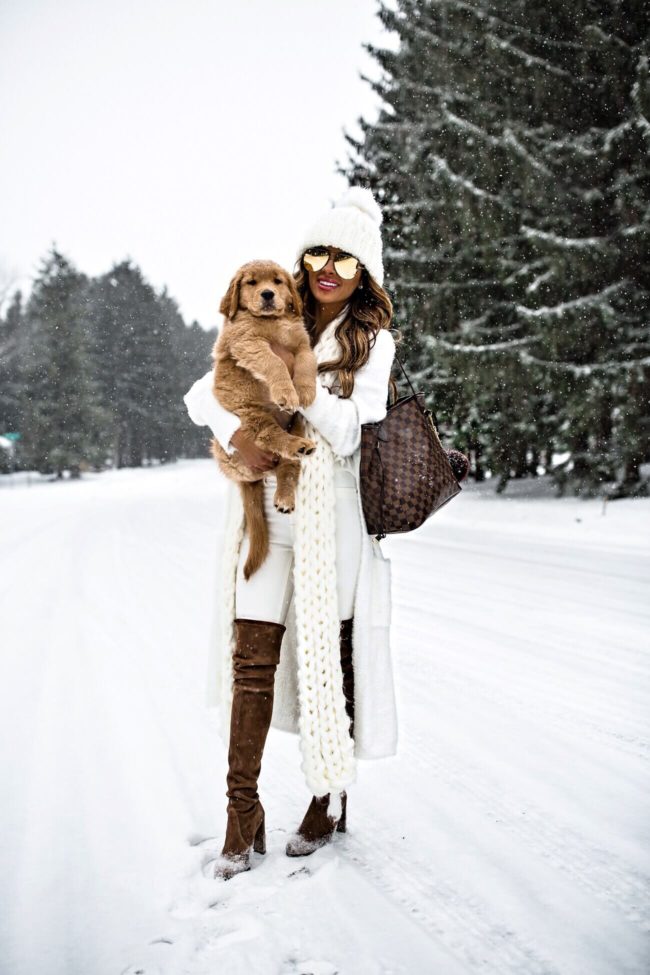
(353, 224)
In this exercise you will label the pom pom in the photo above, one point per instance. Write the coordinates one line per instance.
(459, 463)
(362, 199)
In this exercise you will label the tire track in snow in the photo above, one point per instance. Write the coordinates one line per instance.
(596, 870)
(462, 924)
(630, 738)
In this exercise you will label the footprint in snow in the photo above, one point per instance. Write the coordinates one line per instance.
(141, 970)
(310, 966)
(302, 871)
(195, 839)
(246, 928)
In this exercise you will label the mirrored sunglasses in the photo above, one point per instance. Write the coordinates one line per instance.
(345, 265)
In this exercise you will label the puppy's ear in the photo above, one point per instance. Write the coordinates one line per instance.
(296, 301)
(230, 301)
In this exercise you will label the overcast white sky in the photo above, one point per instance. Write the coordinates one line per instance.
(189, 135)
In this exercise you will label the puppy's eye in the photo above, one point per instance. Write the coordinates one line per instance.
(252, 281)
(277, 280)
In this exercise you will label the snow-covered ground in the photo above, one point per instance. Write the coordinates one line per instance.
(509, 835)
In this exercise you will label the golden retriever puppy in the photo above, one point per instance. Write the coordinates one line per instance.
(262, 308)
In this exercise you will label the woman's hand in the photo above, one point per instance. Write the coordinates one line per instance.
(252, 455)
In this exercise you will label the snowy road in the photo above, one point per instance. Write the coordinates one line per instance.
(510, 835)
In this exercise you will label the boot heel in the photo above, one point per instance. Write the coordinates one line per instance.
(341, 825)
(259, 843)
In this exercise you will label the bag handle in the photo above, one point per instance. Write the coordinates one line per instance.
(405, 373)
(426, 411)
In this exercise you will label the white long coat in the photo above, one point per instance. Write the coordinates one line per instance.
(339, 421)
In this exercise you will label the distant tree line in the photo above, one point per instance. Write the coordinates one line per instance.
(93, 372)
(512, 161)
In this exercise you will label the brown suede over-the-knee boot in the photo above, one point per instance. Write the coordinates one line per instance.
(255, 660)
(318, 825)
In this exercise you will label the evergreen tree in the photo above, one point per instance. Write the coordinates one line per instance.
(511, 158)
(145, 358)
(175, 384)
(93, 372)
(125, 330)
(62, 421)
(10, 334)
(190, 348)
(10, 379)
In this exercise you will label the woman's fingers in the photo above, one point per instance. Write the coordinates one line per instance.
(265, 458)
(255, 457)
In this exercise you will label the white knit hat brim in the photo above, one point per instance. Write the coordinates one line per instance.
(353, 224)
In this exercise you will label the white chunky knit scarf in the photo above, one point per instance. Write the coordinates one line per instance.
(325, 742)
(328, 761)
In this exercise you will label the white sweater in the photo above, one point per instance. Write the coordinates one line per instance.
(338, 420)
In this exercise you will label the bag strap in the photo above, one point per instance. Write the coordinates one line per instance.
(382, 533)
(404, 371)
(427, 412)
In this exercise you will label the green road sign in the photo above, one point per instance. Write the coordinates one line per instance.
(12, 436)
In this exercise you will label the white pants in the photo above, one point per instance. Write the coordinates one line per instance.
(267, 594)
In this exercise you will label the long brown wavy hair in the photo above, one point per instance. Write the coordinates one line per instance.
(370, 310)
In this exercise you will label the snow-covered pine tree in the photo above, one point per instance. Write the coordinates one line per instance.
(63, 423)
(10, 379)
(179, 360)
(192, 346)
(187, 356)
(115, 316)
(131, 362)
(145, 359)
(511, 158)
(98, 367)
(188, 350)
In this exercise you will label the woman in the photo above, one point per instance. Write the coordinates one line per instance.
(304, 643)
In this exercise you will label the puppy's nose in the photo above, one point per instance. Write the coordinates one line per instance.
(267, 295)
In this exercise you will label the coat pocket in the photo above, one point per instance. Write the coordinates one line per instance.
(381, 597)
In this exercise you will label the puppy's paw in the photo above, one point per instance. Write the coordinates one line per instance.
(284, 501)
(302, 446)
(285, 397)
(306, 393)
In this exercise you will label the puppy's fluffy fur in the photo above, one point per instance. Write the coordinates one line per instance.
(262, 306)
